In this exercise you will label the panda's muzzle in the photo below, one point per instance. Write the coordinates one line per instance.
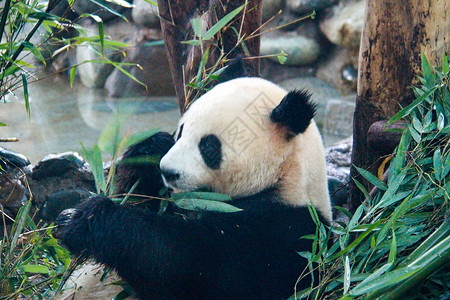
(170, 175)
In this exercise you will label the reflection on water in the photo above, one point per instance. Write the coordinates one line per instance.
(62, 117)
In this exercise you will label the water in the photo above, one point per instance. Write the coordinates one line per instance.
(62, 117)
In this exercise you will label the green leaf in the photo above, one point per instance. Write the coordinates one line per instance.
(33, 49)
(383, 282)
(282, 57)
(206, 205)
(19, 224)
(135, 138)
(201, 195)
(445, 67)
(372, 179)
(222, 23)
(407, 110)
(109, 139)
(398, 212)
(417, 125)
(73, 71)
(437, 164)
(105, 7)
(201, 67)
(94, 158)
(26, 95)
(347, 272)
(196, 24)
(428, 72)
(393, 250)
(192, 42)
(35, 269)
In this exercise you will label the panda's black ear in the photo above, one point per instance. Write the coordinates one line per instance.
(295, 112)
(235, 69)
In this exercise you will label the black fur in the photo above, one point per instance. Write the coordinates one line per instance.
(149, 174)
(251, 254)
(235, 69)
(211, 151)
(295, 112)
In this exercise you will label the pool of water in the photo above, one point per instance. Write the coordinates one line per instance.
(62, 117)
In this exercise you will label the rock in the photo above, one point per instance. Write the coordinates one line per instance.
(88, 282)
(145, 14)
(339, 116)
(155, 74)
(44, 185)
(307, 6)
(343, 24)
(321, 92)
(61, 200)
(11, 160)
(13, 193)
(271, 8)
(57, 165)
(300, 50)
(338, 158)
(339, 69)
(89, 7)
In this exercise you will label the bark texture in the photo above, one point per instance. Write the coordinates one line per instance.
(394, 35)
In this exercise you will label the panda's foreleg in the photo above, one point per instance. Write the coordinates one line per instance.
(251, 254)
(145, 249)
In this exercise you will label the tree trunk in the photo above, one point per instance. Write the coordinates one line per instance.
(184, 59)
(394, 35)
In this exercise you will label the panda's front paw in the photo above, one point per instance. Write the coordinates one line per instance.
(75, 227)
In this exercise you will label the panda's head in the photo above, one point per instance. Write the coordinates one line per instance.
(247, 135)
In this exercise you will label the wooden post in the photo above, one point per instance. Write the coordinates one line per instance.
(394, 35)
(175, 24)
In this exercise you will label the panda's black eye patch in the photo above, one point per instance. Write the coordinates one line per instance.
(180, 132)
(211, 150)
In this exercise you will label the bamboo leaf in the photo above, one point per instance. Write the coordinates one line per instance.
(206, 205)
(201, 195)
(34, 50)
(196, 24)
(222, 23)
(26, 95)
(347, 272)
(73, 71)
(427, 71)
(35, 269)
(372, 179)
(393, 250)
(445, 67)
(407, 110)
(201, 67)
(383, 282)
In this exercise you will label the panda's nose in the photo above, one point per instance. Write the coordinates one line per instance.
(170, 175)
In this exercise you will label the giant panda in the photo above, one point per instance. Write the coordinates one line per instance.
(247, 138)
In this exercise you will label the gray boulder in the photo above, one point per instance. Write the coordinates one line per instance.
(271, 8)
(154, 72)
(89, 7)
(301, 50)
(145, 14)
(307, 6)
(343, 24)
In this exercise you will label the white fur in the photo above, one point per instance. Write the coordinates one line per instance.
(256, 154)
